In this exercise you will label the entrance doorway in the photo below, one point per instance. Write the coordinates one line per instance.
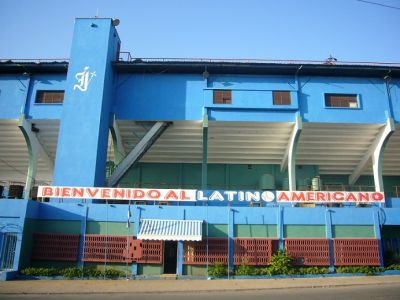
(170, 257)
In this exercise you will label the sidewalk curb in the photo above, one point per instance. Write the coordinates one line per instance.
(127, 289)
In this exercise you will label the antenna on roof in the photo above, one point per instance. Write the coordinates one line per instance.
(330, 60)
(97, 13)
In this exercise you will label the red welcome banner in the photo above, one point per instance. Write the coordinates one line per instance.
(183, 195)
(116, 193)
(330, 197)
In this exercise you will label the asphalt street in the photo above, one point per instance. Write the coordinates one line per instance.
(370, 292)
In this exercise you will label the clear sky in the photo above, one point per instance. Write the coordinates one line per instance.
(350, 30)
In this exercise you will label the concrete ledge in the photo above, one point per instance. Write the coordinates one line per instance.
(8, 275)
(178, 286)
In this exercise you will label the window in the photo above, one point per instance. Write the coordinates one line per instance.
(341, 100)
(222, 97)
(49, 97)
(281, 98)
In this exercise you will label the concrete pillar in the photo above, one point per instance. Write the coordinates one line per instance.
(84, 127)
(81, 249)
(329, 236)
(377, 229)
(279, 223)
(204, 168)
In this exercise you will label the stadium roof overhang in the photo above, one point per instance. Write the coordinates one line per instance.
(335, 148)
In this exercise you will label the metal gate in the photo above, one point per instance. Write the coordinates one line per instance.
(8, 244)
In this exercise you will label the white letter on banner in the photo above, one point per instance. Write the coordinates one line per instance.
(250, 196)
(217, 196)
(231, 195)
(200, 196)
(241, 196)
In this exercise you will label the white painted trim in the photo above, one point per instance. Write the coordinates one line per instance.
(135, 153)
(375, 152)
(35, 148)
(289, 159)
(119, 149)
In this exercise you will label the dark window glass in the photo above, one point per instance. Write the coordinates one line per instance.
(341, 100)
(222, 97)
(50, 97)
(281, 98)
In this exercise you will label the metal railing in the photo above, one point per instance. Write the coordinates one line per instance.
(396, 191)
(33, 60)
(127, 57)
(348, 188)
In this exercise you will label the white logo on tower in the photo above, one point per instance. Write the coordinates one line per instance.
(84, 78)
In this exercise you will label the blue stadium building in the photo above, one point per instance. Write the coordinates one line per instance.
(168, 166)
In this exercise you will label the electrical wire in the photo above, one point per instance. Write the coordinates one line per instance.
(380, 4)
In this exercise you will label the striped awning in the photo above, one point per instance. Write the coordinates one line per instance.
(170, 230)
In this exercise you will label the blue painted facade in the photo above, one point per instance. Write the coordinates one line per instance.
(35, 110)
(184, 96)
(124, 94)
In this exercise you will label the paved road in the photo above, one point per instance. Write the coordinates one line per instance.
(371, 292)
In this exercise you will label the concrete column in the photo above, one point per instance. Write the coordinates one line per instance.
(377, 229)
(231, 236)
(289, 159)
(84, 127)
(119, 149)
(84, 216)
(329, 236)
(34, 149)
(204, 169)
(279, 223)
(136, 214)
(179, 266)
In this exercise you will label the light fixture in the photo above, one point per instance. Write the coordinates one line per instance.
(115, 22)
(205, 73)
(34, 128)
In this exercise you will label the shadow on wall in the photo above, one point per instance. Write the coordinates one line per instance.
(147, 97)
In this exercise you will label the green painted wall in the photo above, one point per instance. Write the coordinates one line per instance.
(215, 230)
(390, 232)
(304, 231)
(388, 182)
(27, 240)
(112, 228)
(57, 226)
(116, 266)
(220, 176)
(257, 231)
(149, 270)
(52, 264)
(353, 231)
(194, 270)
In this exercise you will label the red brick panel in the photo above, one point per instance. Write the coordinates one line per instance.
(356, 252)
(308, 252)
(254, 251)
(195, 253)
(55, 246)
(152, 252)
(110, 248)
(135, 249)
